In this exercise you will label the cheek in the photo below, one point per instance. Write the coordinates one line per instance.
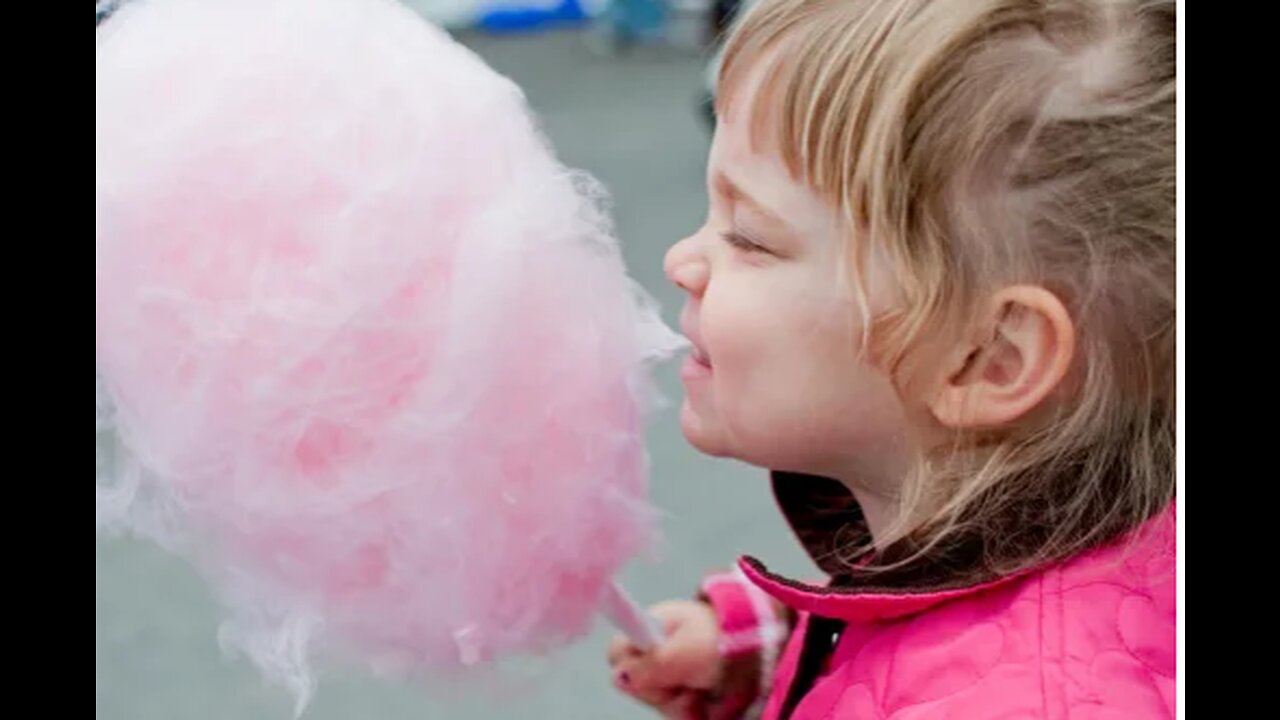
(770, 363)
(857, 399)
(798, 377)
(732, 318)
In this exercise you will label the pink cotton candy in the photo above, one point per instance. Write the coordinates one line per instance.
(367, 353)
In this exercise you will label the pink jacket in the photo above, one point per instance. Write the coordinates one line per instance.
(1093, 637)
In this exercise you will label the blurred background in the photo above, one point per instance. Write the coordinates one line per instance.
(621, 87)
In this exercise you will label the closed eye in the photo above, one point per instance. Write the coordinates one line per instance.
(741, 242)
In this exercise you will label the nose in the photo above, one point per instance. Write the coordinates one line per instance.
(687, 266)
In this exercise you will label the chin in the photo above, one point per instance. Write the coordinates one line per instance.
(702, 437)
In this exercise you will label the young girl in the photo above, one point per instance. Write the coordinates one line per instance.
(935, 296)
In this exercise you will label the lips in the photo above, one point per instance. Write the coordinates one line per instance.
(691, 331)
(699, 356)
(697, 366)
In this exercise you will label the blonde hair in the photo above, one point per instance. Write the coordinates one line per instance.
(980, 143)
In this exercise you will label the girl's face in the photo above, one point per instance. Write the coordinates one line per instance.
(776, 378)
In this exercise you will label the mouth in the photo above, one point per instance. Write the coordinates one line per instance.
(698, 364)
(700, 357)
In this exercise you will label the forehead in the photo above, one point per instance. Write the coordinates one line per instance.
(741, 154)
(750, 104)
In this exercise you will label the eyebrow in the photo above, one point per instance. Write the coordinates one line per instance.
(735, 194)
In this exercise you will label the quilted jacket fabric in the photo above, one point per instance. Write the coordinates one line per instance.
(1093, 637)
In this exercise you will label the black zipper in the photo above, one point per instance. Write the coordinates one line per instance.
(821, 635)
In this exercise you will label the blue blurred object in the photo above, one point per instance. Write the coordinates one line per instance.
(518, 19)
(624, 21)
(636, 19)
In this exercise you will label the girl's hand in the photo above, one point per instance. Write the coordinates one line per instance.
(673, 677)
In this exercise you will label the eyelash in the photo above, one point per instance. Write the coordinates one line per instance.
(742, 243)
